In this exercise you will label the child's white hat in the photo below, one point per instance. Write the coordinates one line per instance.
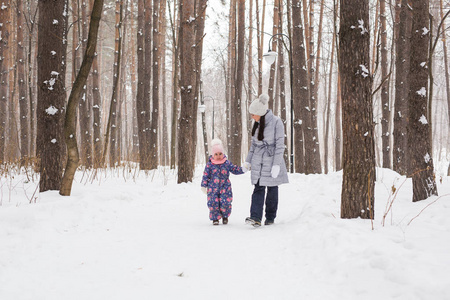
(216, 146)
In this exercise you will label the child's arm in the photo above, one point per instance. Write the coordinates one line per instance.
(236, 170)
(206, 175)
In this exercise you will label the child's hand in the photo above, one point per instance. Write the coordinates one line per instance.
(246, 167)
(204, 190)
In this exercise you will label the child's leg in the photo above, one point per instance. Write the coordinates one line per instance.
(213, 205)
(225, 204)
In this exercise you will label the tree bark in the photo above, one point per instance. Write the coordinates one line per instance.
(236, 116)
(386, 108)
(22, 85)
(142, 105)
(300, 84)
(155, 89)
(357, 199)
(4, 48)
(77, 90)
(186, 158)
(419, 135)
(51, 91)
(402, 62)
(111, 128)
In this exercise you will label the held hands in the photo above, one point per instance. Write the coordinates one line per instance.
(204, 190)
(246, 167)
(275, 171)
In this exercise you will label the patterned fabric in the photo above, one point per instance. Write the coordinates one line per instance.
(216, 180)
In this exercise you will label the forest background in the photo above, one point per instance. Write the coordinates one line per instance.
(138, 106)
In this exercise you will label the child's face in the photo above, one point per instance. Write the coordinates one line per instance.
(218, 156)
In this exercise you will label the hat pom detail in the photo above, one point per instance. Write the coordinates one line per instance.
(216, 142)
(264, 98)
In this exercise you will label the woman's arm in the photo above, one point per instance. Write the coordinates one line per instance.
(279, 143)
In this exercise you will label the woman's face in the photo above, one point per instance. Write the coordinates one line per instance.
(256, 118)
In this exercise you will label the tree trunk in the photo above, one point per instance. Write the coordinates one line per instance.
(4, 48)
(162, 40)
(282, 81)
(142, 105)
(357, 199)
(300, 84)
(422, 170)
(231, 74)
(31, 84)
(385, 90)
(330, 85)
(77, 90)
(111, 128)
(97, 104)
(51, 91)
(155, 90)
(186, 158)
(313, 148)
(401, 152)
(175, 78)
(22, 84)
(85, 99)
(236, 116)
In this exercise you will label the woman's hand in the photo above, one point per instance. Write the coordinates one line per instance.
(275, 171)
(246, 167)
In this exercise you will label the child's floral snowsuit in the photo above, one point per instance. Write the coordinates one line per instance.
(216, 180)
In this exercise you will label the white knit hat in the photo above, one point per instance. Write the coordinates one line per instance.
(216, 146)
(259, 106)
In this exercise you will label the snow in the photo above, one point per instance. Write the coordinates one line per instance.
(51, 110)
(364, 71)
(423, 120)
(130, 235)
(422, 92)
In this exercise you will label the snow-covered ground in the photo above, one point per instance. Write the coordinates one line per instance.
(142, 236)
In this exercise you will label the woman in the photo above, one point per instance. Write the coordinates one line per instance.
(265, 157)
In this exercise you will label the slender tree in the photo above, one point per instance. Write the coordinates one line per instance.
(155, 89)
(77, 90)
(400, 133)
(186, 159)
(22, 84)
(111, 128)
(357, 199)
(51, 92)
(385, 105)
(300, 84)
(419, 135)
(236, 116)
(142, 105)
(4, 47)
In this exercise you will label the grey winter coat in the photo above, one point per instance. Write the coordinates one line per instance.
(268, 152)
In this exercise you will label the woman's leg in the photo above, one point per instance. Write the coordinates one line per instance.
(256, 209)
(271, 203)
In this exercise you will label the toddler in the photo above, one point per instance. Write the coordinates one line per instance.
(216, 183)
